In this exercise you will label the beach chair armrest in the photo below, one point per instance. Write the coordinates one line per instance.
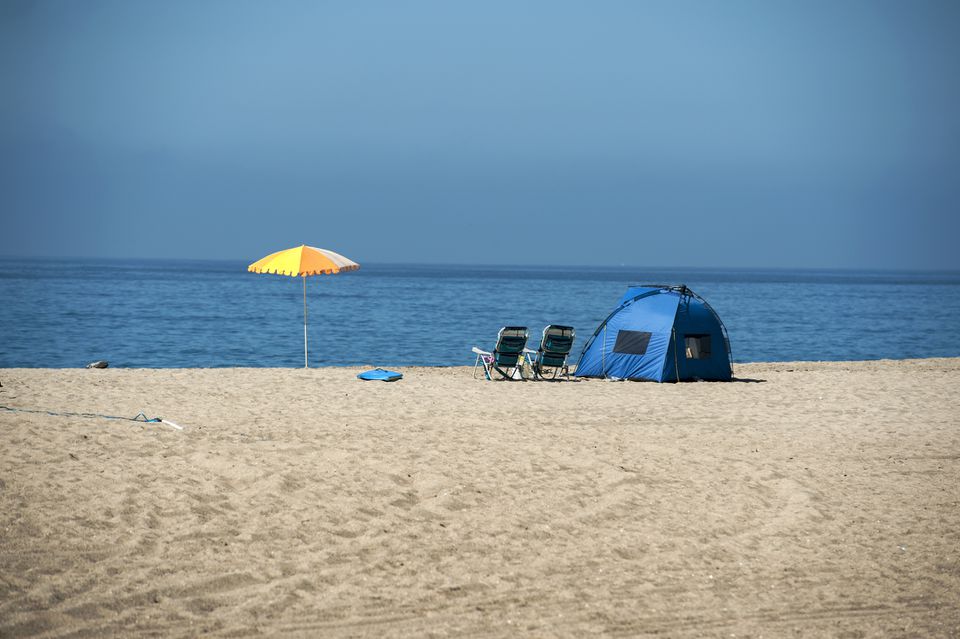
(485, 358)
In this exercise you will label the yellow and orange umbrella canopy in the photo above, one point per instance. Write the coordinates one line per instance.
(302, 261)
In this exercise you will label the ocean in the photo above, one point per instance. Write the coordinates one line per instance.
(166, 313)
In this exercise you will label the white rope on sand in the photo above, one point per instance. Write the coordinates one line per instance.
(143, 419)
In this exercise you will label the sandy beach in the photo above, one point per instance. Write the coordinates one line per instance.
(808, 499)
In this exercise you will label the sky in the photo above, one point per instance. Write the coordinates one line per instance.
(767, 133)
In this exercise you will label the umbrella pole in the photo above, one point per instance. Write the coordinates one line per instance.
(305, 322)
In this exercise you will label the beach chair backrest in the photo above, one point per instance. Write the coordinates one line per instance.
(556, 344)
(511, 341)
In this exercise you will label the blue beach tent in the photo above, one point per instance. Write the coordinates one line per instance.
(659, 333)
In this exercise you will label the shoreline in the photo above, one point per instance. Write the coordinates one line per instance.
(799, 362)
(811, 498)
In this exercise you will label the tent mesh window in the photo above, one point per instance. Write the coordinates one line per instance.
(697, 346)
(632, 342)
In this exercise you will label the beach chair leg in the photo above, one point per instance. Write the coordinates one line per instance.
(537, 368)
(514, 374)
(486, 367)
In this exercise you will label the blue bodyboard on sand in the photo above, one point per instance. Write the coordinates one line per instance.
(380, 375)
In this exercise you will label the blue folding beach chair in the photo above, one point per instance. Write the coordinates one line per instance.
(552, 354)
(507, 356)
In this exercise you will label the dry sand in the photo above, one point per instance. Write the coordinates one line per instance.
(819, 499)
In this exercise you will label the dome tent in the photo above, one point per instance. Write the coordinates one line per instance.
(659, 333)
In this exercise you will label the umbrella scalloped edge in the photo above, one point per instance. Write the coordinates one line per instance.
(292, 274)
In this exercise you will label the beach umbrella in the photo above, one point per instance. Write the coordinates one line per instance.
(302, 261)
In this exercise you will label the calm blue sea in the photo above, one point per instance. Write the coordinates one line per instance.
(151, 313)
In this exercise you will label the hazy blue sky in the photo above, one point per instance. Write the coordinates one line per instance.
(766, 133)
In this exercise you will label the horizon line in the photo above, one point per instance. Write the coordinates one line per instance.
(8, 258)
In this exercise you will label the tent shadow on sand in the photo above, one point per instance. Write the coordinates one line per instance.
(742, 380)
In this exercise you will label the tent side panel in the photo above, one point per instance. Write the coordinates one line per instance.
(635, 341)
(668, 371)
(590, 363)
(694, 322)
